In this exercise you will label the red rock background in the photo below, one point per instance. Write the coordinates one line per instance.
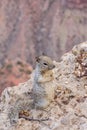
(30, 27)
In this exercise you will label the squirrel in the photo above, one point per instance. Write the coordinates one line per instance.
(42, 93)
(43, 88)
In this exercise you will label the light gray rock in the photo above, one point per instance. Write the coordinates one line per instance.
(67, 112)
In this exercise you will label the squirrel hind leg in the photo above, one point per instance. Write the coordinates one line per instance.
(42, 104)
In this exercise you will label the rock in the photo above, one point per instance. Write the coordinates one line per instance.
(83, 127)
(81, 109)
(68, 111)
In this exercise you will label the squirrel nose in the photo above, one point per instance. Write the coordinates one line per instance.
(51, 67)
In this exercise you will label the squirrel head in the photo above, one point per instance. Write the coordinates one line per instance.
(45, 63)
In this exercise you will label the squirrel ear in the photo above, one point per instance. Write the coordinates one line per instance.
(37, 58)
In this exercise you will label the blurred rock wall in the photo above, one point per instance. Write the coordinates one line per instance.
(31, 27)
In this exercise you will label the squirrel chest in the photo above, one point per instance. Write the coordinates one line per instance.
(43, 85)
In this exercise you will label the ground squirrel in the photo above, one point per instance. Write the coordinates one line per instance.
(43, 88)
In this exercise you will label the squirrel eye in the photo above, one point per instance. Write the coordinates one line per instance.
(45, 63)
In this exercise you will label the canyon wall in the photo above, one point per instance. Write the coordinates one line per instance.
(32, 27)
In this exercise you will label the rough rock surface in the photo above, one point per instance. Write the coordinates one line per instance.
(30, 27)
(68, 111)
